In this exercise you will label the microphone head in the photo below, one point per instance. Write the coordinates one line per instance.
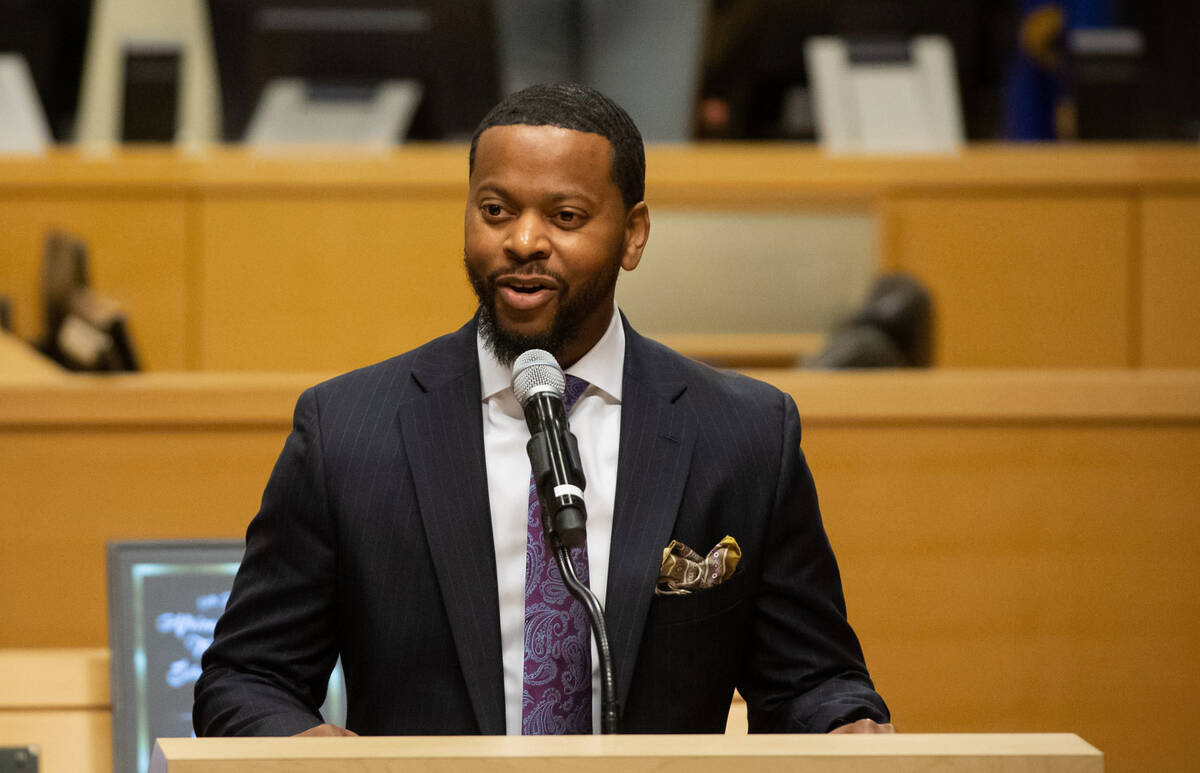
(537, 371)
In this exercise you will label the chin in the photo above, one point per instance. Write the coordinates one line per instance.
(507, 340)
(527, 332)
(520, 324)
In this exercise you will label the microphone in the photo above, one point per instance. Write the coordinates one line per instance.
(538, 383)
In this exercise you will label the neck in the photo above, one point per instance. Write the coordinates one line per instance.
(588, 336)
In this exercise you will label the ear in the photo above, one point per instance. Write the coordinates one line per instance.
(637, 231)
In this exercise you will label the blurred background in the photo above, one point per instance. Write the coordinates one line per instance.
(738, 66)
(807, 135)
(964, 235)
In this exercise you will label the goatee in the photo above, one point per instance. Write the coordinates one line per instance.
(574, 307)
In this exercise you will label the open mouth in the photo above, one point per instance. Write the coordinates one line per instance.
(527, 284)
(526, 292)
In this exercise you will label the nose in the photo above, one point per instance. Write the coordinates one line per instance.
(527, 238)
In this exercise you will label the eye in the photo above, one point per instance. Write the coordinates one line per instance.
(492, 210)
(569, 218)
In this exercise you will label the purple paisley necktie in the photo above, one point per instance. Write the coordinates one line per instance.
(557, 695)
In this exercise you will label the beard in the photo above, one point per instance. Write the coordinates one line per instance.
(575, 305)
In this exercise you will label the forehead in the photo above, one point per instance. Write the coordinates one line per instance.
(544, 156)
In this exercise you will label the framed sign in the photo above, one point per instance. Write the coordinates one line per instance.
(164, 598)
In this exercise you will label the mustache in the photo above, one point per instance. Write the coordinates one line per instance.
(526, 272)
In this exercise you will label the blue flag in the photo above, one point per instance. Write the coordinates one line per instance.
(1037, 78)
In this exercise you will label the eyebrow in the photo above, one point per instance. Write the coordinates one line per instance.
(499, 190)
(504, 193)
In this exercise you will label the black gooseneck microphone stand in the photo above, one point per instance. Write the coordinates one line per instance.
(609, 705)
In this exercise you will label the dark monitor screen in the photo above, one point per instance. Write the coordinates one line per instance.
(447, 45)
(50, 34)
(164, 598)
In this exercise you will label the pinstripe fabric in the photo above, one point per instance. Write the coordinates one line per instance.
(443, 434)
(656, 440)
(373, 540)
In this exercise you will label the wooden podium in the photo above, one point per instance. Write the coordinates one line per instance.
(901, 753)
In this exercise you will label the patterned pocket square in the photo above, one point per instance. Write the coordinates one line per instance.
(684, 570)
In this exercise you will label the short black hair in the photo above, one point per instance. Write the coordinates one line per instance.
(579, 108)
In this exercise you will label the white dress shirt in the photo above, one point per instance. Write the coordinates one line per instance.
(596, 422)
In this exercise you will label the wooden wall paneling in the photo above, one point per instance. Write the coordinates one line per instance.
(56, 678)
(1006, 578)
(58, 699)
(315, 282)
(1170, 279)
(69, 490)
(137, 255)
(354, 243)
(1018, 548)
(1022, 279)
(71, 740)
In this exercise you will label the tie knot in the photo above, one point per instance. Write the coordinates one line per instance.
(574, 390)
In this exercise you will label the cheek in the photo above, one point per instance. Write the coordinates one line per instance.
(478, 240)
(596, 249)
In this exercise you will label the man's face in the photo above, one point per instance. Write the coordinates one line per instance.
(546, 233)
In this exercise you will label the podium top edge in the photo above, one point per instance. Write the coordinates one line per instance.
(942, 745)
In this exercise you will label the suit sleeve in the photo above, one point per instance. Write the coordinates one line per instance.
(805, 670)
(274, 647)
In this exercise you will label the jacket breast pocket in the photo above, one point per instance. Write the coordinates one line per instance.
(700, 605)
(689, 658)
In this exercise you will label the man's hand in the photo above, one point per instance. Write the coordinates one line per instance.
(333, 730)
(864, 726)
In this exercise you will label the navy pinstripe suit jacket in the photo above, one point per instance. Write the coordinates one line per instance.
(374, 542)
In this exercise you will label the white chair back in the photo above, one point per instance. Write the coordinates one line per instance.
(121, 25)
(289, 117)
(23, 127)
(906, 104)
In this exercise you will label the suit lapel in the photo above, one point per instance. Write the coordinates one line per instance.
(658, 432)
(442, 427)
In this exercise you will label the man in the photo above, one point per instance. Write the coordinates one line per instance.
(394, 529)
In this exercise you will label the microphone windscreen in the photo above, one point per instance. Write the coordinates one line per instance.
(537, 371)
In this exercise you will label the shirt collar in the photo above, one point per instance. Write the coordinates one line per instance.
(602, 367)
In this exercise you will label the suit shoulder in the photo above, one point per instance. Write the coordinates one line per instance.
(389, 376)
(366, 378)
